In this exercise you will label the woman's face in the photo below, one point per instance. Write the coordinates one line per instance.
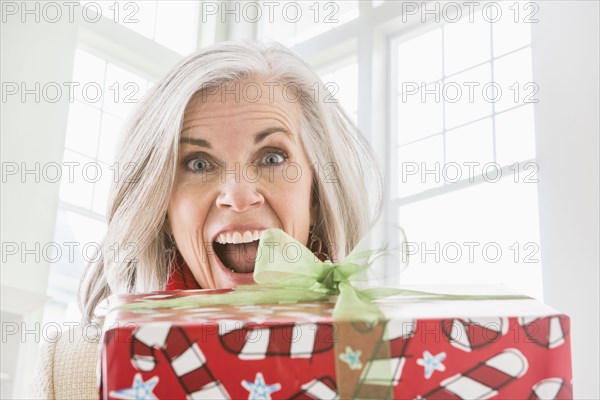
(241, 169)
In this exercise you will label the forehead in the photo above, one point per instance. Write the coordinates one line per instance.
(243, 101)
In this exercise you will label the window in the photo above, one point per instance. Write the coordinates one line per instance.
(292, 22)
(173, 24)
(464, 186)
(428, 61)
(103, 94)
(342, 82)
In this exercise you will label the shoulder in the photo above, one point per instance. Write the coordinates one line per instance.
(43, 382)
(67, 365)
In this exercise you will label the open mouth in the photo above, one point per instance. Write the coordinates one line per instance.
(237, 250)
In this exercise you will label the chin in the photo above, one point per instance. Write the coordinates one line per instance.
(225, 277)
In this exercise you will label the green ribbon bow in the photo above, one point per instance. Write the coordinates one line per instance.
(282, 261)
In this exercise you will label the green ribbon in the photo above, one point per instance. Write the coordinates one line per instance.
(286, 271)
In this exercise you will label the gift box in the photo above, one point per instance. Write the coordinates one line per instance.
(424, 348)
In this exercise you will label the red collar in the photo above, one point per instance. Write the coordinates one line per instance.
(181, 277)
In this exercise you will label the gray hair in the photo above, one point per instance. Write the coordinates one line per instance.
(345, 170)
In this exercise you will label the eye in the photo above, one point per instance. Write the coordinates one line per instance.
(197, 165)
(274, 158)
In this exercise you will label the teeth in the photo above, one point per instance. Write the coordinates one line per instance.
(238, 237)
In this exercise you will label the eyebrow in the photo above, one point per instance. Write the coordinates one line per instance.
(262, 135)
(259, 137)
(197, 142)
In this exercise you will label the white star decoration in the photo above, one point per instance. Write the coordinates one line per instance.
(432, 363)
(139, 389)
(259, 390)
(352, 358)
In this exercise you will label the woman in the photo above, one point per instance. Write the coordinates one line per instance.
(237, 138)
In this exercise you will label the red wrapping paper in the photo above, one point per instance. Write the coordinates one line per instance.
(504, 349)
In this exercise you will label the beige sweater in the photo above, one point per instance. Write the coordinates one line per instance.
(67, 367)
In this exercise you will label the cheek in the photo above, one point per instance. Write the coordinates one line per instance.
(187, 210)
(291, 200)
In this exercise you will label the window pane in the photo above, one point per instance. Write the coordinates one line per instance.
(343, 84)
(76, 237)
(82, 128)
(311, 18)
(465, 96)
(139, 16)
(135, 15)
(177, 25)
(414, 160)
(473, 143)
(348, 10)
(86, 233)
(347, 80)
(466, 44)
(88, 74)
(485, 234)
(278, 29)
(123, 90)
(513, 74)
(102, 188)
(420, 58)
(110, 132)
(174, 24)
(76, 187)
(420, 114)
(509, 35)
(296, 21)
(515, 135)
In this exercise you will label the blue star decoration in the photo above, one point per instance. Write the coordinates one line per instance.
(139, 389)
(432, 363)
(258, 389)
(352, 358)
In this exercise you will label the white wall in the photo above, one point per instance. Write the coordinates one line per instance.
(33, 131)
(565, 66)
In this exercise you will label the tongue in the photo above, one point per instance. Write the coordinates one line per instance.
(240, 257)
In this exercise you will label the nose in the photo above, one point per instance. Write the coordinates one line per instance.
(239, 195)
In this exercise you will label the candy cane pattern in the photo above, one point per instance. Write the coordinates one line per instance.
(551, 389)
(323, 388)
(484, 380)
(548, 332)
(254, 342)
(396, 337)
(185, 357)
(471, 334)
